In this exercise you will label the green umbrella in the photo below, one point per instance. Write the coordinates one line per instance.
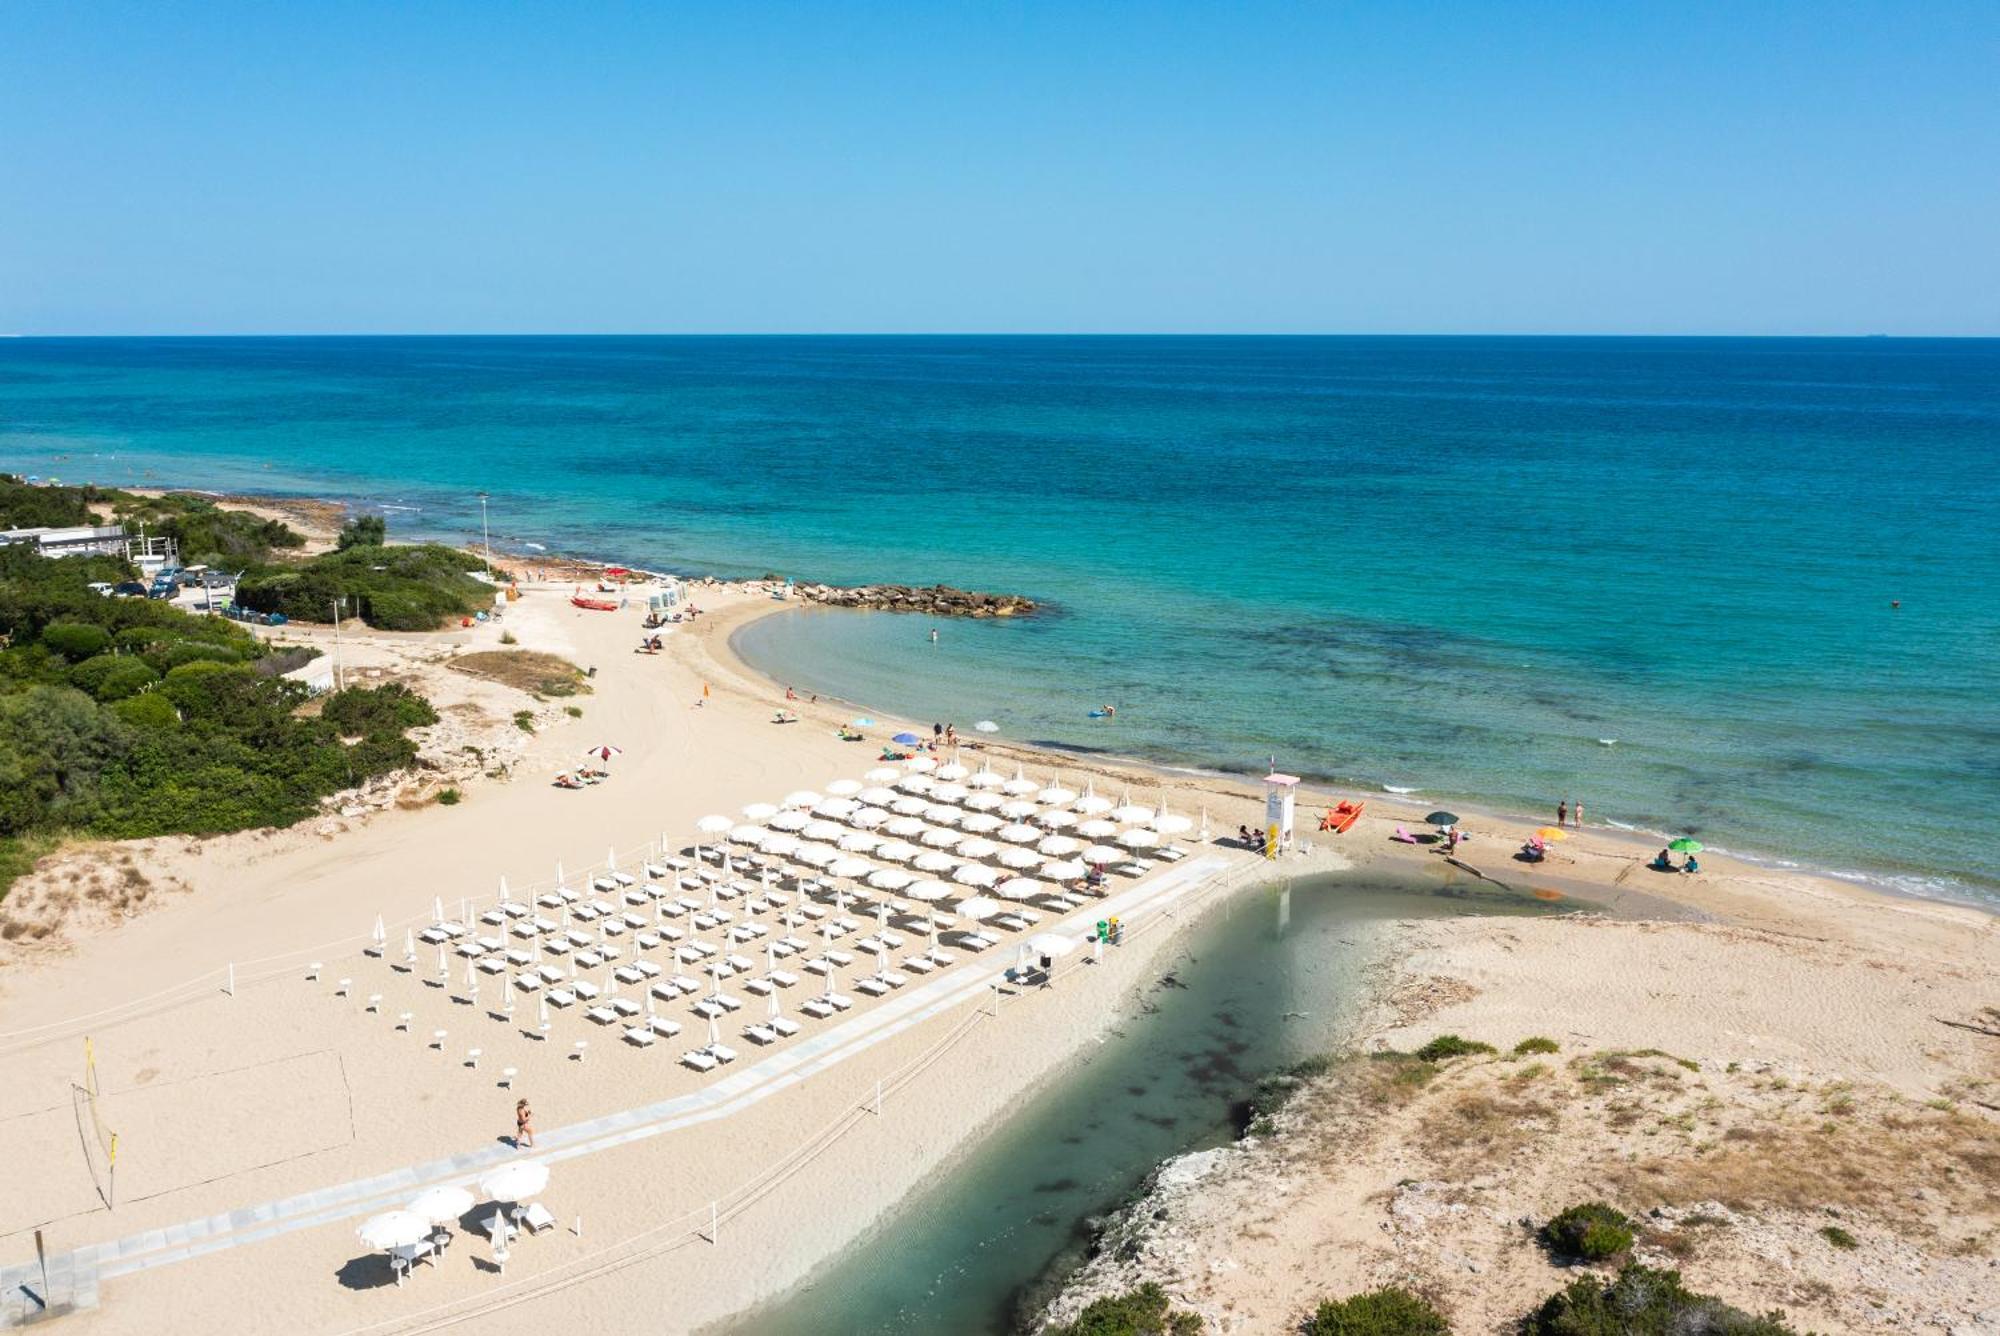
(1686, 845)
(1442, 818)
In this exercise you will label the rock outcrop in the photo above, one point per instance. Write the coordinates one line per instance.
(933, 601)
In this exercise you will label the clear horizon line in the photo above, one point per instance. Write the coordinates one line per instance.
(979, 334)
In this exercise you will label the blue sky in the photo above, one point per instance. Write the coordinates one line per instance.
(1289, 167)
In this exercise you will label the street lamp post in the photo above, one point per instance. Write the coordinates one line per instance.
(486, 535)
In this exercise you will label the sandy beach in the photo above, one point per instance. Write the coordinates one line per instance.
(288, 1088)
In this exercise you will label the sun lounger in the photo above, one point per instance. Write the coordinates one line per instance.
(583, 914)
(538, 1218)
(646, 941)
(817, 1007)
(840, 1001)
(976, 941)
(818, 965)
(622, 879)
(783, 1026)
(561, 997)
(528, 983)
(759, 1034)
(602, 1015)
(647, 969)
(698, 1059)
(639, 1037)
(761, 987)
(1173, 853)
(872, 986)
(526, 931)
(551, 974)
(710, 1009)
(493, 965)
(588, 960)
(556, 946)
(542, 924)
(729, 1000)
(670, 934)
(685, 984)
(549, 901)
(624, 1006)
(582, 941)
(520, 959)
(627, 974)
(662, 1026)
(494, 917)
(583, 988)
(895, 978)
(871, 944)
(783, 978)
(919, 964)
(706, 921)
(840, 958)
(722, 1053)
(613, 927)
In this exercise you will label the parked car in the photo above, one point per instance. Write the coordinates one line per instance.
(129, 589)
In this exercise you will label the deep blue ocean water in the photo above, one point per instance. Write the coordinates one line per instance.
(1451, 565)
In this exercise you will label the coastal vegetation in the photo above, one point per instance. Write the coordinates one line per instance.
(1145, 1311)
(127, 717)
(1390, 1311)
(1591, 1232)
(415, 588)
(1643, 1301)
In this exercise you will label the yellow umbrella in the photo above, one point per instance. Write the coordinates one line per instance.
(1553, 833)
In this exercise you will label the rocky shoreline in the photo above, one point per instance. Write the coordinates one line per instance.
(932, 600)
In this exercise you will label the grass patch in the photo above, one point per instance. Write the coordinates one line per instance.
(524, 720)
(1536, 1044)
(1447, 1046)
(1840, 1238)
(526, 670)
(573, 711)
(448, 797)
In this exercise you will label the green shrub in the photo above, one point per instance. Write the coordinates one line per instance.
(524, 720)
(363, 531)
(1840, 1238)
(394, 588)
(1535, 1044)
(448, 797)
(573, 711)
(110, 677)
(367, 711)
(1451, 1046)
(151, 710)
(1591, 1232)
(76, 641)
(1643, 1302)
(1140, 1312)
(1385, 1312)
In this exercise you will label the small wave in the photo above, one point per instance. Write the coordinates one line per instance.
(534, 547)
(1399, 788)
(1607, 742)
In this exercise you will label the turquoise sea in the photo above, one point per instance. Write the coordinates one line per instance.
(1657, 575)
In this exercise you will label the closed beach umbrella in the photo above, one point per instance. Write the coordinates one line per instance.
(976, 846)
(987, 726)
(708, 825)
(1097, 828)
(441, 1205)
(952, 771)
(394, 1229)
(1102, 854)
(844, 788)
(981, 823)
(860, 842)
(889, 879)
(880, 795)
(975, 874)
(512, 1182)
(1063, 869)
(1020, 888)
(760, 811)
(1139, 838)
(906, 739)
(934, 860)
(1020, 859)
(883, 774)
(1443, 818)
(1019, 834)
(1686, 845)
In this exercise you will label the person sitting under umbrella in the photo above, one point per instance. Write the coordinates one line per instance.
(1664, 861)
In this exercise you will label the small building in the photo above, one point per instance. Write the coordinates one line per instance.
(85, 540)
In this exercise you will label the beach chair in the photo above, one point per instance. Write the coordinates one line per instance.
(669, 933)
(761, 987)
(666, 992)
(519, 959)
(646, 969)
(722, 1053)
(602, 1015)
(840, 958)
(840, 1001)
(919, 964)
(561, 997)
(639, 1037)
(538, 1218)
(492, 965)
(940, 957)
(583, 988)
(686, 984)
(698, 1059)
(660, 1025)
(551, 974)
(872, 986)
(627, 974)
(556, 946)
(783, 1025)
(895, 978)
(760, 1034)
(527, 983)
(646, 941)
(783, 978)
(624, 1006)
(818, 1008)
(818, 965)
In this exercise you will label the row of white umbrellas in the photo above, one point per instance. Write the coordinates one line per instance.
(445, 1203)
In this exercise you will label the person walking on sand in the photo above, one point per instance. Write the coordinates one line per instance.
(1562, 812)
(524, 1125)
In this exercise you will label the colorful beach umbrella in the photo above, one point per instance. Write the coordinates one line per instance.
(1686, 845)
(1552, 833)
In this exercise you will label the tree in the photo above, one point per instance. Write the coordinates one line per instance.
(363, 531)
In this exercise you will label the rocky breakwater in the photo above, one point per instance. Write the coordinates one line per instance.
(932, 601)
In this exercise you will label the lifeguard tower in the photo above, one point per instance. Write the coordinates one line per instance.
(1280, 796)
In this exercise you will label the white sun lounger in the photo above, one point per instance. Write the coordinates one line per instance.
(551, 974)
(783, 1025)
(493, 965)
(759, 1034)
(588, 960)
(549, 901)
(818, 965)
(583, 988)
(921, 964)
(710, 1009)
(528, 983)
(584, 914)
(624, 1006)
(686, 984)
(556, 946)
(647, 969)
(663, 1026)
(722, 1053)
(527, 932)
(761, 987)
(627, 974)
(840, 958)
(666, 992)
(841, 1001)
(872, 986)
(646, 941)
(639, 1037)
(817, 1007)
(602, 1015)
(561, 997)
(783, 978)
(698, 1059)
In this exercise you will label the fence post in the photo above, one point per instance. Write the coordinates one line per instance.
(878, 1098)
(714, 1225)
(230, 986)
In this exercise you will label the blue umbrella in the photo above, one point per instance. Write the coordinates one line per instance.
(907, 739)
(862, 722)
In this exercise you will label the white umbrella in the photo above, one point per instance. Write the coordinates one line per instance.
(1020, 784)
(817, 855)
(979, 907)
(394, 1229)
(790, 819)
(890, 879)
(1103, 853)
(919, 764)
(850, 867)
(748, 834)
(1131, 814)
(441, 1205)
(515, 1180)
(860, 842)
(760, 811)
(1138, 837)
(709, 825)
(941, 814)
(842, 788)
(1063, 869)
(981, 823)
(975, 874)
(935, 861)
(1097, 829)
(942, 839)
(976, 847)
(915, 783)
(1020, 888)
(868, 818)
(928, 890)
(878, 796)
(908, 806)
(1055, 819)
(1020, 858)
(897, 851)
(1091, 804)
(1019, 834)
(987, 726)
(906, 827)
(1059, 846)
(781, 844)
(1055, 795)
(799, 798)
(1018, 810)
(883, 774)
(1051, 944)
(952, 771)
(950, 793)
(837, 808)
(823, 830)
(984, 779)
(984, 802)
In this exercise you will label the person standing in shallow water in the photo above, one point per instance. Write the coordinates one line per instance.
(1576, 815)
(1562, 812)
